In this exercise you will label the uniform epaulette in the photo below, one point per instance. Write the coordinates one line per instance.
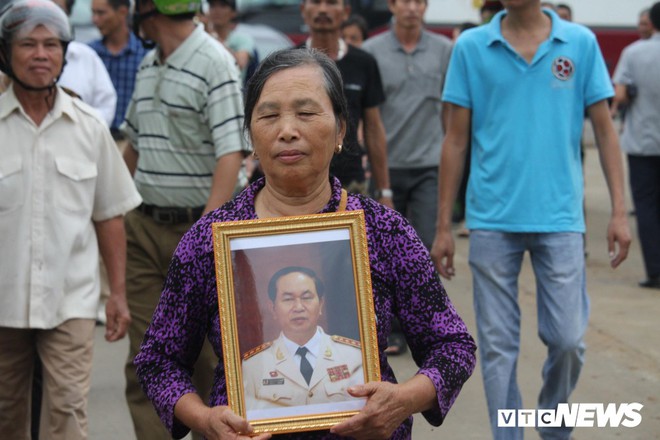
(346, 341)
(248, 354)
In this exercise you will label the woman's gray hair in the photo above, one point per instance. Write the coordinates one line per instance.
(289, 58)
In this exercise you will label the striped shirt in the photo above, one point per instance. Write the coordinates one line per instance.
(122, 68)
(185, 113)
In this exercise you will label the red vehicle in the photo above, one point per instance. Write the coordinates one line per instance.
(613, 21)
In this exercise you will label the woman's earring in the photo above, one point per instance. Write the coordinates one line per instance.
(338, 149)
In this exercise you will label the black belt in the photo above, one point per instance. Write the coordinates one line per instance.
(171, 216)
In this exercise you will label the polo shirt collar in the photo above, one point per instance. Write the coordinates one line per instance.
(63, 105)
(422, 44)
(179, 58)
(559, 27)
(132, 46)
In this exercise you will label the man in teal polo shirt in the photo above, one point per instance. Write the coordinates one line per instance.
(518, 88)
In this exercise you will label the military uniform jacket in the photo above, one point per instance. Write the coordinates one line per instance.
(272, 378)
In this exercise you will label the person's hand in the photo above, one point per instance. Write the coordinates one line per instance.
(222, 423)
(442, 254)
(117, 317)
(618, 240)
(385, 410)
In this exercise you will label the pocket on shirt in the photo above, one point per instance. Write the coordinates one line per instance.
(431, 84)
(337, 389)
(12, 185)
(76, 184)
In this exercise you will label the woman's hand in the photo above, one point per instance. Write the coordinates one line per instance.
(388, 405)
(385, 410)
(222, 423)
(218, 422)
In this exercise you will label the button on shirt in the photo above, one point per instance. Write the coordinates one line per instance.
(55, 180)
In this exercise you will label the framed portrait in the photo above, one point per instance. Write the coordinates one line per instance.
(297, 318)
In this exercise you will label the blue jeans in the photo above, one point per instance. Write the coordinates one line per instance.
(562, 309)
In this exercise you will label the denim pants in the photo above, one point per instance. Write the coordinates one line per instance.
(562, 309)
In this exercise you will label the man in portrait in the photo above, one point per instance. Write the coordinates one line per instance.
(304, 365)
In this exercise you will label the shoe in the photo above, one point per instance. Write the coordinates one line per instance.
(650, 283)
(396, 344)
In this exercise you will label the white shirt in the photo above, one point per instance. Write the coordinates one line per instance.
(85, 74)
(56, 179)
(312, 347)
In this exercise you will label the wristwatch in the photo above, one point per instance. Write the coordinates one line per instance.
(383, 193)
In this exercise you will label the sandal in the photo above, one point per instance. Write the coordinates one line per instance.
(396, 344)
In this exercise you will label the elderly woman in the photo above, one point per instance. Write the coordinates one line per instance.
(295, 115)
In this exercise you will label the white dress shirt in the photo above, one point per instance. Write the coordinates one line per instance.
(85, 74)
(56, 180)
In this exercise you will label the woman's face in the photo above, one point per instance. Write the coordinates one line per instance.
(294, 130)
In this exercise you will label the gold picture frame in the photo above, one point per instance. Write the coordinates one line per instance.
(269, 394)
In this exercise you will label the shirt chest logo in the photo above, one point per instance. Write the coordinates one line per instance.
(563, 68)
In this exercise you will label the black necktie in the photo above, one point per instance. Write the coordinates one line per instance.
(305, 367)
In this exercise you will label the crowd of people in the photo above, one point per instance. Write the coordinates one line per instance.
(119, 155)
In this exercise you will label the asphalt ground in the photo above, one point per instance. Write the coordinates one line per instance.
(622, 359)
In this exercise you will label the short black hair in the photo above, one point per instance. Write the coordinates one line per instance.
(491, 5)
(654, 14)
(360, 22)
(565, 6)
(272, 284)
(116, 4)
(230, 3)
(290, 58)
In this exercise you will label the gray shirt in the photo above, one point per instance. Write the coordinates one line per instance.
(639, 66)
(413, 85)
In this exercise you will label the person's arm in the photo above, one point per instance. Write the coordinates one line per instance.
(607, 141)
(242, 57)
(620, 99)
(388, 405)
(376, 144)
(444, 117)
(225, 177)
(439, 341)
(131, 158)
(111, 239)
(215, 423)
(452, 162)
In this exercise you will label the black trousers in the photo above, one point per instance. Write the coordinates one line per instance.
(644, 174)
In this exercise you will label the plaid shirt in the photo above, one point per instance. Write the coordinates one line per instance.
(122, 68)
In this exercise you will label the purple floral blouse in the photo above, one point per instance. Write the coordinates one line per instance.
(405, 285)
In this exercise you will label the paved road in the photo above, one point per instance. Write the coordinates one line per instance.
(623, 353)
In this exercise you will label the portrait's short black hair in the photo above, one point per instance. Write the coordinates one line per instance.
(272, 284)
(290, 58)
